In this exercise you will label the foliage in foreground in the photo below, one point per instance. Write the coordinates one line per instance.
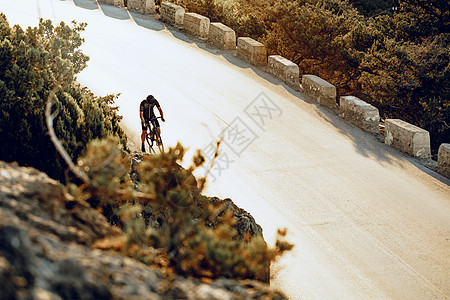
(33, 62)
(168, 222)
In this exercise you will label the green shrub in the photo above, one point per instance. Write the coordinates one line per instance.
(33, 62)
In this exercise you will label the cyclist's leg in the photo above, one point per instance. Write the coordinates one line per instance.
(156, 126)
(143, 135)
(157, 129)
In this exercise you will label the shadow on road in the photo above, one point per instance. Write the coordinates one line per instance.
(368, 145)
(87, 4)
(147, 21)
(114, 12)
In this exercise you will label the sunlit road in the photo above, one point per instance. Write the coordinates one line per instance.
(367, 221)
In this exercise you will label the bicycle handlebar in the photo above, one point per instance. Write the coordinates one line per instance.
(153, 119)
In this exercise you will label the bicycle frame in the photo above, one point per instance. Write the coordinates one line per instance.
(154, 136)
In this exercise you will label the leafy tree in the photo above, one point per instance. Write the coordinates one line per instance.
(405, 73)
(419, 19)
(313, 35)
(33, 62)
(374, 7)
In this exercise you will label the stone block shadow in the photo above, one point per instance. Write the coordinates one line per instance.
(114, 12)
(147, 21)
(86, 4)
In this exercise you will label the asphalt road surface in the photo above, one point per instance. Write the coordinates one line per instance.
(367, 221)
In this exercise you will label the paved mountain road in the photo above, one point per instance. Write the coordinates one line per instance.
(368, 222)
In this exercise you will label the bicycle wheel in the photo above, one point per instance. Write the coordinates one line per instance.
(149, 140)
(159, 142)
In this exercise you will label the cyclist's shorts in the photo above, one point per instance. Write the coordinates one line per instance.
(155, 124)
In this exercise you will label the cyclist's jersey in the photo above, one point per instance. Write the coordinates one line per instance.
(147, 108)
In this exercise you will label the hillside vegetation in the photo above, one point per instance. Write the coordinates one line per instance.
(397, 60)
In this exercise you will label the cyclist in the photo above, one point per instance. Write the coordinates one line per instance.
(146, 113)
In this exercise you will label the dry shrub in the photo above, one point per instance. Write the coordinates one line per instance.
(188, 239)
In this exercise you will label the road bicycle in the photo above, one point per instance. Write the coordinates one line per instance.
(153, 137)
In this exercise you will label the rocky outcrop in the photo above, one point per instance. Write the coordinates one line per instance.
(46, 251)
(245, 223)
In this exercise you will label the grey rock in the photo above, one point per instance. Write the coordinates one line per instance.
(46, 252)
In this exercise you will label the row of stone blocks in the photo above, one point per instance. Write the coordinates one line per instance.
(224, 37)
(219, 34)
(141, 6)
(255, 53)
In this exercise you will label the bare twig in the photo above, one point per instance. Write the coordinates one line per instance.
(216, 155)
(49, 117)
(139, 196)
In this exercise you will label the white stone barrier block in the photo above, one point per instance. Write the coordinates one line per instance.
(284, 69)
(407, 138)
(172, 13)
(142, 6)
(444, 160)
(252, 51)
(116, 3)
(359, 113)
(196, 24)
(222, 36)
(322, 91)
